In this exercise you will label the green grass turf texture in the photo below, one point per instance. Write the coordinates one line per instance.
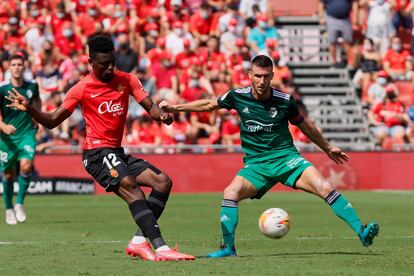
(87, 235)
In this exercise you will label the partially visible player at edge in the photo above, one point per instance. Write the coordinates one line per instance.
(270, 155)
(17, 139)
(103, 96)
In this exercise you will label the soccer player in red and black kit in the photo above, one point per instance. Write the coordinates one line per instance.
(103, 96)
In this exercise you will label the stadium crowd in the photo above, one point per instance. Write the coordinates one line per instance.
(180, 50)
(183, 50)
(377, 38)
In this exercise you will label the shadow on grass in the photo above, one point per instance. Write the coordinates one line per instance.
(304, 255)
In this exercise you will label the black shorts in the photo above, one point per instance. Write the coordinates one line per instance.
(108, 166)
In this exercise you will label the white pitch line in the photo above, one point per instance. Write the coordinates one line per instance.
(242, 239)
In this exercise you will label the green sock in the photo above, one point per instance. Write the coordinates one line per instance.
(24, 182)
(229, 218)
(8, 193)
(343, 209)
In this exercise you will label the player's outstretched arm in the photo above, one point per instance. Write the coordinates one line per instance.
(49, 120)
(155, 112)
(311, 131)
(194, 106)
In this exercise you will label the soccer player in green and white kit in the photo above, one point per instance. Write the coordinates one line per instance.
(17, 139)
(270, 155)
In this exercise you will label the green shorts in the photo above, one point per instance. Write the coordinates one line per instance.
(13, 150)
(264, 175)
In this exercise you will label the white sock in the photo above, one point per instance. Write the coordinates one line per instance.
(138, 239)
(162, 248)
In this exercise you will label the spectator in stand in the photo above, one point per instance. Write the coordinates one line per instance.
(59, 18)
(212, 58)
(410, 12)
(203, 23)
(154, 55)
(397, 62)
(61, 131)
(259, 34)
(86, 21)
(226, 19)
(280, 71)
(377, 91)
(126, 57)
(183, 59)
(247, 9)
(144, 132)
(178, 12)
(175, 38)
(179, 132)
(230, 129)
(48, 54)
(35, 36)
(67, 41)
(336, 15)
(240, 52)
(368, 64)
(147, 41)
(49, 80)
(193, 91)
(241, 77)
(220, 82)
(400, 17)
(12, 34)
(204, 126)
(389, 119)
(165, 76)
(379, 27)
(228, 38)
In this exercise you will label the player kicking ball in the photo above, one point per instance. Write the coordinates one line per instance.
(103, 96)
(270, 155)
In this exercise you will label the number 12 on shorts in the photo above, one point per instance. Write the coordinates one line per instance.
(111, 161)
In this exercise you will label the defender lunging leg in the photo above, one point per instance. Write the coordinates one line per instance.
(313, 182)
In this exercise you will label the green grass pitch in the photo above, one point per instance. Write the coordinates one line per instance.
(87, 235)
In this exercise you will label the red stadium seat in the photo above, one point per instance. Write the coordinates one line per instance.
(405, 92)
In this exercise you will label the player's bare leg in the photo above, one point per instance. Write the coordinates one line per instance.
(238, 190)
(24, 181)
(145, 219)
(313, 182)
(8, 181)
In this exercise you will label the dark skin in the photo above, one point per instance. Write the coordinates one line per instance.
(103, 65)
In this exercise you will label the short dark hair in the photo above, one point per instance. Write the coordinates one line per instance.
(262, 61)
(17, 55)
(100, 44)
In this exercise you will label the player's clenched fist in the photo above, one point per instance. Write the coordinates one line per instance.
(166, 106)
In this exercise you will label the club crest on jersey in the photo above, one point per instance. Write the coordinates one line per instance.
(114, 173)
(273, 112)
(120, 88)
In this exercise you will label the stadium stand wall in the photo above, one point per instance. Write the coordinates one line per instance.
(212, 172)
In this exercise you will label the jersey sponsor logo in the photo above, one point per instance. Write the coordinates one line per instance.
(255, 126)
(273, 112)
(110, 107)
(295, 162)
(245, 110)
(4, 157)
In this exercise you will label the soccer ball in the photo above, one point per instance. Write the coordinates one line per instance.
(274, 223)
